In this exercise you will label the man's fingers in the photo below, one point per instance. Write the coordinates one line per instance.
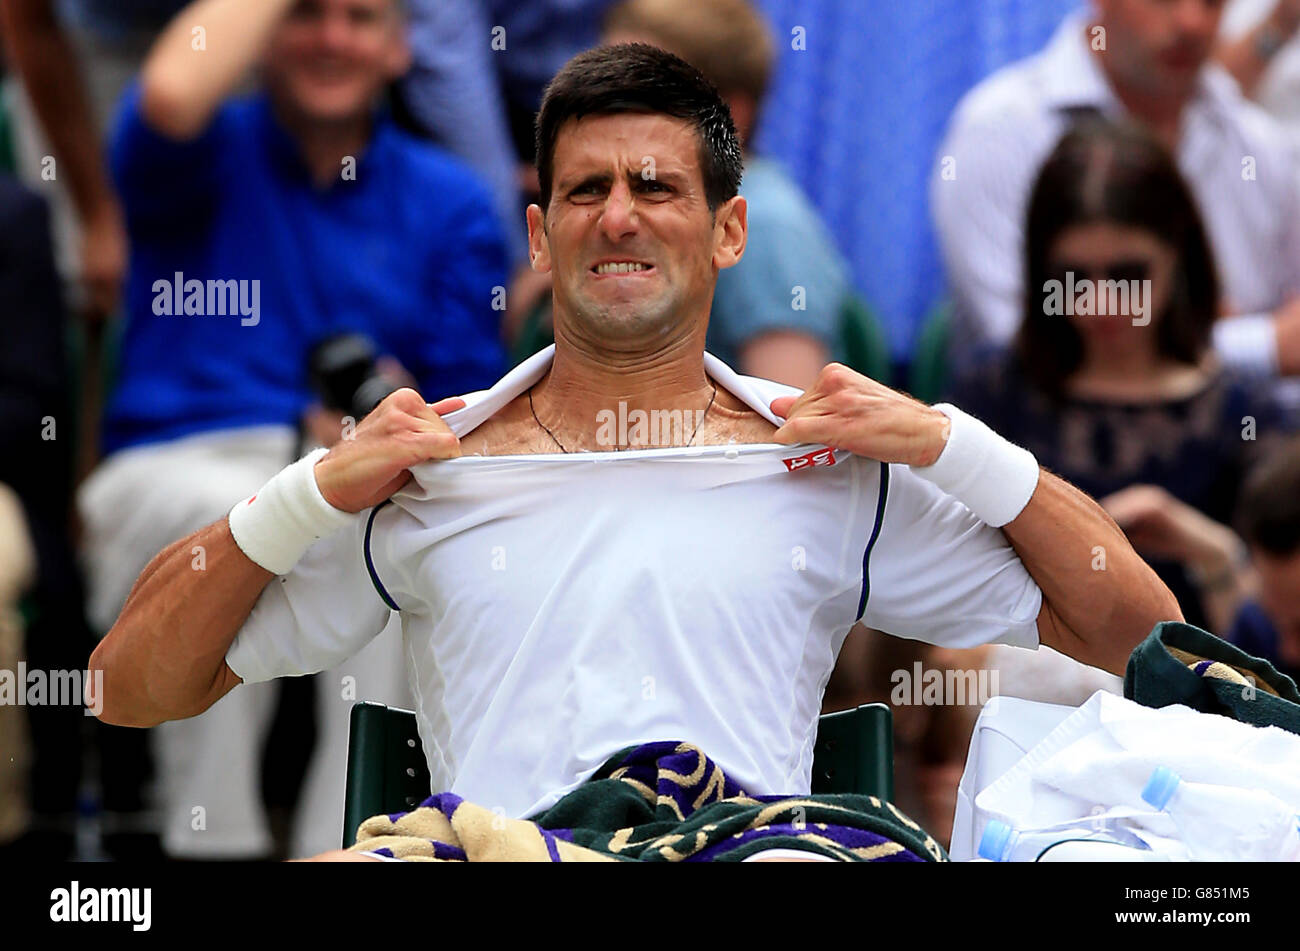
(790, 407)
(408, 403)
(798, 429)
(449, 405)
(435, 444)
(782, 405)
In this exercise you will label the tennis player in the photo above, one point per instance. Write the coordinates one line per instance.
(570, 586)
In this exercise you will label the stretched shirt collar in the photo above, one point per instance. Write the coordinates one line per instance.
(757, 393)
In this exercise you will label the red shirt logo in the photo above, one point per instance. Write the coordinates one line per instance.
(818, 457)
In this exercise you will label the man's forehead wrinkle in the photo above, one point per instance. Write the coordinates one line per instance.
(580, 141)
(630, 172)
(583, 168)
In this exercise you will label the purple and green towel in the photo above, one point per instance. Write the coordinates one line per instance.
(659, 802)
(1179, 663)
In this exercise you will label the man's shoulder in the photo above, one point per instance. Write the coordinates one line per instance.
(1009, 97)
(230, 120)
(772, 183)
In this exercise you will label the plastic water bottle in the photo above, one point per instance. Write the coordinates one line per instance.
(1218, 823)
(1001, 843)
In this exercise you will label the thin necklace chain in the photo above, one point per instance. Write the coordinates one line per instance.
(561, 445)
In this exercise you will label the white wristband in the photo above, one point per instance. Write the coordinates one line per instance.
(278, 523)
(992, 477)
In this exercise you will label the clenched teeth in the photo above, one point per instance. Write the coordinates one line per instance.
(620, 267)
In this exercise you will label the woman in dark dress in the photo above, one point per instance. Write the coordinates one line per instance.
(1113, 383)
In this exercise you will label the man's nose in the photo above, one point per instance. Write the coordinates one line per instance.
(618, 219)
(335, 30)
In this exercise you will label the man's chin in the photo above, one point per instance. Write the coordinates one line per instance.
(624, 320)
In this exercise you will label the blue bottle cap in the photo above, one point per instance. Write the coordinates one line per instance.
(993, 843)
(1160, 787)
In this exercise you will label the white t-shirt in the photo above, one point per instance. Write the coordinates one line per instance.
(559, 607)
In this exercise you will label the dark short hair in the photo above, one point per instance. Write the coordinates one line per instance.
(1268, 513)
(637, 77)
(1114, 172)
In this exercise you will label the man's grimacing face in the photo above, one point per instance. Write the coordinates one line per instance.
(627, 190)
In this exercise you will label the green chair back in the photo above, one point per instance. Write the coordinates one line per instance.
(386, 770)
(863, 341)
(854, 752)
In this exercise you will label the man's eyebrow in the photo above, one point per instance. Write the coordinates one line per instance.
(671, 176)
(594, 178)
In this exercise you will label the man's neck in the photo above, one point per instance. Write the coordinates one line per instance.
(324, 145)
(584, 381)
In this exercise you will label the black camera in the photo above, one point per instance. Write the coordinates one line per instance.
(344, 376)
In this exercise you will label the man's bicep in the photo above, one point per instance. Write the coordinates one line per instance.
(1055, 633)
(940, 575)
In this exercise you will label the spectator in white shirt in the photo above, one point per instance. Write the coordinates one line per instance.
(1149, 60)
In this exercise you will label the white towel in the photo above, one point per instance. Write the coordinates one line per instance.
(1096, 763)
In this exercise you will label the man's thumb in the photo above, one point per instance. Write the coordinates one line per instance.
(781, 406)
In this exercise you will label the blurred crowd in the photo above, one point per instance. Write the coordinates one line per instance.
(232, 226)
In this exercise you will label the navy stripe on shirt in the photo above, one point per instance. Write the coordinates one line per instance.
(370, 562)
(875, 534)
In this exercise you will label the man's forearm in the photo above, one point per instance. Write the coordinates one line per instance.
(164, 658)
(47, 64)
(183, 82)
(1099, 597)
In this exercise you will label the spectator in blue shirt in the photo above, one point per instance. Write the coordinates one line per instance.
(260, 227)
(343, 222)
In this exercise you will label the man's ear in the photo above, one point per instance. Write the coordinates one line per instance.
(730, 231)
(539, 248)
